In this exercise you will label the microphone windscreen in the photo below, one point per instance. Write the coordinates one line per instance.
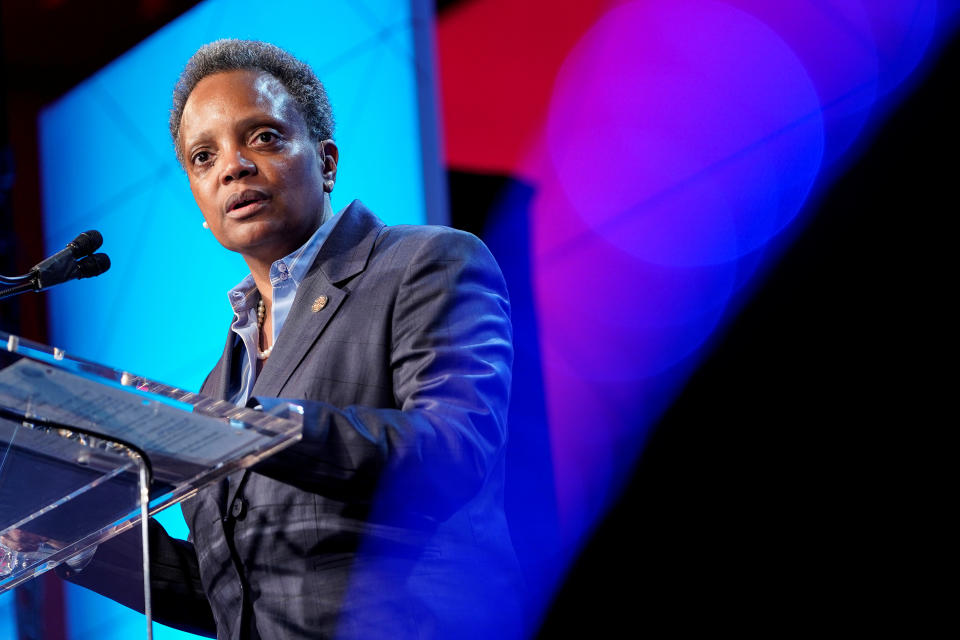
(86, 243)
(94, 265)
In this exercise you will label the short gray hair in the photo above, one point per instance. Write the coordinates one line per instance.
(232, 55)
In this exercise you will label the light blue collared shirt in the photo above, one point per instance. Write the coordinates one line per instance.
(286, 275)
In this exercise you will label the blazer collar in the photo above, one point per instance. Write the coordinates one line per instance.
(347, 249)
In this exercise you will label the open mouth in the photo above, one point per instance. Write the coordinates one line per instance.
(246, 202)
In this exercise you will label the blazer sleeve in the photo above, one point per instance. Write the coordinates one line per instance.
(450, 359)
(177, 595)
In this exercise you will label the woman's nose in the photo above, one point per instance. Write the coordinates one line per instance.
(238, 167)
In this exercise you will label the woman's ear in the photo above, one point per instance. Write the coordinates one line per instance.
(331, 155)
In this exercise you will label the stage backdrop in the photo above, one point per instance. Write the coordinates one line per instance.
(108, 164)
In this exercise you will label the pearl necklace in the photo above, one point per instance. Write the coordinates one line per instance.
(261, 314)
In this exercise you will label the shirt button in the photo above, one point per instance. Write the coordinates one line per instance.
(284, 275)
(283, 267)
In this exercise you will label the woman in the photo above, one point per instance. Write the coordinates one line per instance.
(386, 519)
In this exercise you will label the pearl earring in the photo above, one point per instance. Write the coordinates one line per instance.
(328, 185)
(206, 225)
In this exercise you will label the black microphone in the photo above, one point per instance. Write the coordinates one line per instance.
(66, 264)
(90, 266)
(76, 260)
(85, 243)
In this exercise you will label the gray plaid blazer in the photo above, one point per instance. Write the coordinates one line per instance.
(386, 520)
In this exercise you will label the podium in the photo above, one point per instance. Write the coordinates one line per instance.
(88, 452)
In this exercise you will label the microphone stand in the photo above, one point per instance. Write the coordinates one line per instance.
(17, 285)
(17, 289)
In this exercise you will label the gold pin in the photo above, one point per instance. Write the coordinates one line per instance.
(319, 303)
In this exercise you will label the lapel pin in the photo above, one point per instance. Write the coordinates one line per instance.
(319, 303)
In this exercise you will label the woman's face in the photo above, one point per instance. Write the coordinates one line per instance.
(254, 170)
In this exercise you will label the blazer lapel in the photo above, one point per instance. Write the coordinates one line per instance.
(343, 255)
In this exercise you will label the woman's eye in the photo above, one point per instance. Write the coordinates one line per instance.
(266, 136)
(201, 157)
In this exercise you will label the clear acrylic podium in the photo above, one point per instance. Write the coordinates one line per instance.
(86, 451)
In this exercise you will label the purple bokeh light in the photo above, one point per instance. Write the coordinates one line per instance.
(681, 139)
